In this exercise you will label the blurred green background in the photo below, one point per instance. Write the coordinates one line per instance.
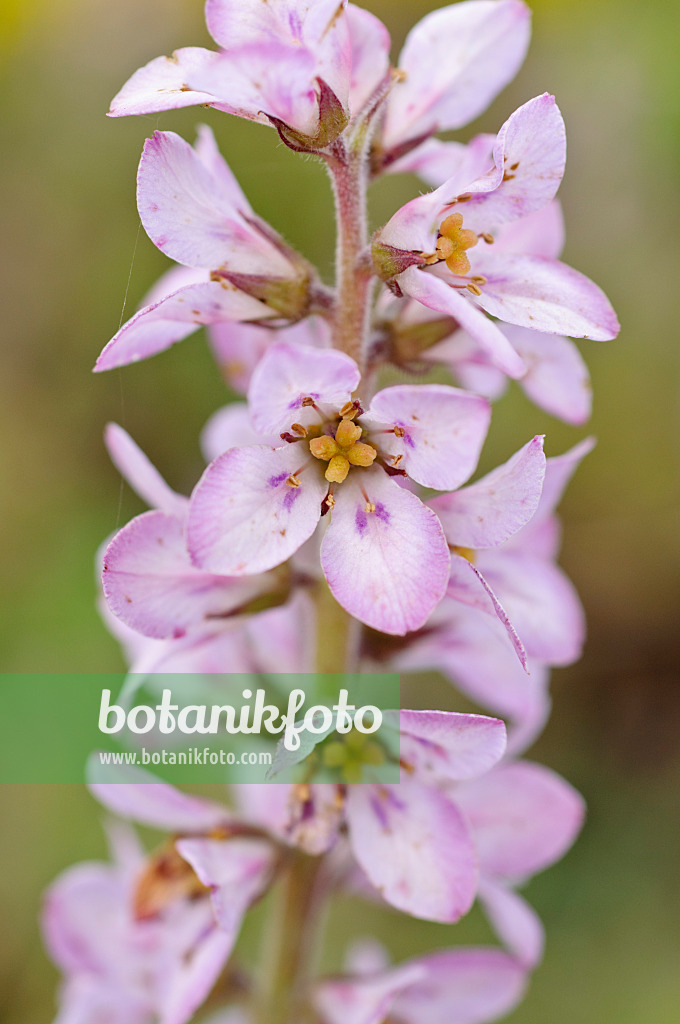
(69, 230)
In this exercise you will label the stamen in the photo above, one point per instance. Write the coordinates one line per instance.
(337, 470)
(306, 402)
(361, 454)
(474, 289)
(297, 428)
(324, 447)
(397, 459)
(478, 279)
(398, 431)
(285, 436)
(351, 410)
(369, 507)
(293, 480)
(347, 433)
(453, 242)
(489, 239)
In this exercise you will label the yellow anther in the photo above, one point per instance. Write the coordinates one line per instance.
(307, 402)
(399, 431)
(361, 454)
(323, 447)
(298, 430)
(330, 501)
(370, 507)
(293, 481)
(396, 459)
(347, 433)
(488, 238)
(474, 289)
(349, 410)
(337, 470)
(453, 240)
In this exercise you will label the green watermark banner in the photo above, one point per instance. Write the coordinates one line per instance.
(195, 729)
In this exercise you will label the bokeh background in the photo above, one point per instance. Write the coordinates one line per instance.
(71, 245)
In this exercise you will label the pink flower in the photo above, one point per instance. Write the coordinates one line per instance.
(383, 554)
(138, 940)
(453, 64)
(410, 839)
(516, 578)
(192, 619)
(439, 247)
(235, 266)
(286, 63)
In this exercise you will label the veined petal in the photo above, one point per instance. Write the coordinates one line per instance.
(463, 986)
(236, 871)
(190, 213)
(540, 233)
(467, 584)
(150, 583)
(456, 61)
(157, 327)
(245, 516)
(524, 817)
(544, 295)
(449, 745)
(414, 845)
(517, 924)
(387, 567)
(442, 431)
(541, 601)
(140, 473)
(162, 84)
(529, 156)
(435, 293)
(488, 512)
(557, 377)
(287, 375)
(370, 45)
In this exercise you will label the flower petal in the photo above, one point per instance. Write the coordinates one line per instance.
(516, 923)
(162, 84)
(140, 474)
(544, 295)
(540, 600)
(389, 567)
(436, 294)
(370, 43)
(442, 431)
(290, 373)
(557, 377)
(156, 804)
(436, 162)
(150, 583)
(229, 427)
(456, 61)
(540, 233)
(450, 745)
(363, 1000)
(524, 817)
(463, 986)
(192, 214)
(236, 871)
(158, 326)
(489, 511)
(190, 986)
(245, 517)
(415, 848)
(467, 584)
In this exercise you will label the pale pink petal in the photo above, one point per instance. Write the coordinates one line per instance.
(415, 848)
(156, 803)
(370, 43)
(387, 567)
(84, 916)
(290, 373)
(463, 986)
(447, 745)
(363, 1000)
(246, 517)
(541, 602)
(140, 474)
(529, 156)
(150, 583)
(207, 151)
(557, 377)
(190, 213)
(436, 294)
(489, 511)
(456, 61)
(467, 584)
(544, 295)
(173, 280)
(443, 431)
(516, 923)
(191, 985)
(437, 162)
(162, 84)
(540, 233)
(524, 817)
(157, 327)
(238, 347)
(236, 871)
(279, 643)
(229, 427)
(268, 77)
